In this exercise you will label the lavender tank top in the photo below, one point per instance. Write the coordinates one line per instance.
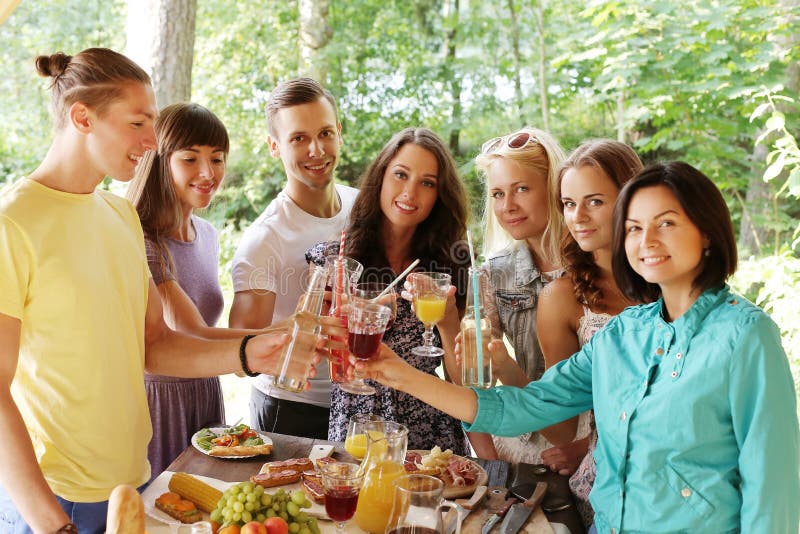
(196, 269)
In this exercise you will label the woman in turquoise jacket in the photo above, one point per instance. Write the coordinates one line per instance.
(693, 396)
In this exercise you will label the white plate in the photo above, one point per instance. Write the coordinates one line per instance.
(219, 430)
(451, 492)
(160, 485)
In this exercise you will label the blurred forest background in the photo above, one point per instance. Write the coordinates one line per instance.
(709, 82)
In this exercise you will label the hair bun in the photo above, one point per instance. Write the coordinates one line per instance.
(52, 65)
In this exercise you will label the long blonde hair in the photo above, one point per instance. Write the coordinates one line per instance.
(543, 157)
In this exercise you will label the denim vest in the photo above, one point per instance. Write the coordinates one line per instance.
(517, 283)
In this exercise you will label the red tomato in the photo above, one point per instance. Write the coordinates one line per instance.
(276, 525)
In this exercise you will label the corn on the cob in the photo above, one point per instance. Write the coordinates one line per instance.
(197, 491)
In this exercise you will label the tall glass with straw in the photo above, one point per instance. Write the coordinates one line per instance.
(476, 330)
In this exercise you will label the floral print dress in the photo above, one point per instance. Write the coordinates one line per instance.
(427, 426)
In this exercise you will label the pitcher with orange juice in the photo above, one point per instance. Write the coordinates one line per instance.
(386, 452)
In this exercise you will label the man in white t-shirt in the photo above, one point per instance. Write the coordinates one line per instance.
(269, 268)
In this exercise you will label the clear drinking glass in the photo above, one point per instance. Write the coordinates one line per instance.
(371, 290)
(430, 300)
(356, 441)
(366, 324)
(342, 483)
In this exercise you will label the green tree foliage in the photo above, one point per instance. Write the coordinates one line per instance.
(36, 28)
(680, 81)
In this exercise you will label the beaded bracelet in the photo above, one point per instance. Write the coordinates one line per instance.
(243, 355)
(69, 528)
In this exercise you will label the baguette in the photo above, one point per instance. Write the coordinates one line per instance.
(295, 464)
(325, 460)
(277, 478)
(125, 511)
(180, 509)
(312, 485)
(240, 450)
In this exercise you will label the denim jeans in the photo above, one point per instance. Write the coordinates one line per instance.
(89, 517)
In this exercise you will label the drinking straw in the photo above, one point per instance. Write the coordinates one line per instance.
(476, 310)
(340, 273)
(396, 280)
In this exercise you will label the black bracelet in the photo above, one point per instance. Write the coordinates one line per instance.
(69, 528)
(243, 355)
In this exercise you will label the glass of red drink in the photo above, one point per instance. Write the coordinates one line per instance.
(374, 291)
(366, 323)
(342, 483)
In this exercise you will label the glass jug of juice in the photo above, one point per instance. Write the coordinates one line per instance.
(386, 452)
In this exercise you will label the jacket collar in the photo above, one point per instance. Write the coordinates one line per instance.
(696, 314)
(525, 270)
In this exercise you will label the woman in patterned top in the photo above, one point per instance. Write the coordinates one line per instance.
(573, 308)
(412, 204)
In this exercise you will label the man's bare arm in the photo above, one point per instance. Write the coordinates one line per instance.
(252, 309)
(20, 474)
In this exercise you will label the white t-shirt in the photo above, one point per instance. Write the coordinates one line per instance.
(271, 257)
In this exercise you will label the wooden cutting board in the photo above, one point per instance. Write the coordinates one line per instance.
(537, 522)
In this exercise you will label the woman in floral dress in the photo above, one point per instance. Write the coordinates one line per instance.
(411, 205)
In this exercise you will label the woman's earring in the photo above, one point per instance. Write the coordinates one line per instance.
(707, 252)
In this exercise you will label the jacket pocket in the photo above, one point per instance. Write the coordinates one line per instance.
(686, 492)
(510, 303)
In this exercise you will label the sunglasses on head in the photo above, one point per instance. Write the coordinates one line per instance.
(515, 141)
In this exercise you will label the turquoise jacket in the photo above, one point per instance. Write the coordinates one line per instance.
(696, 419)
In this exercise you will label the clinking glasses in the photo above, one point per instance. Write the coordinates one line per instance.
(515, 141)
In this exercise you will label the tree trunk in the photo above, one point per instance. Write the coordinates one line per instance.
(451, 11)
(515, 56)
(621, 116)
(315, 33)
(539, 10)
(161, 39)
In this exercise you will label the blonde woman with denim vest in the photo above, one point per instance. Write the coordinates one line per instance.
(522, 235)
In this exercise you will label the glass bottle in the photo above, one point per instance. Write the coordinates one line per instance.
(343, 272)
(304, 327)
(476, 365)
(386, 452)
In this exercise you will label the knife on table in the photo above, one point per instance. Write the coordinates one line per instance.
(497, 516)
(465, 507)
(519, 513)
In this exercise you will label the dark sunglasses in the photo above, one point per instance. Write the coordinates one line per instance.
(515, 141)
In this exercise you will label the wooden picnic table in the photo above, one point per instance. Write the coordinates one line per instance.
(500, 473)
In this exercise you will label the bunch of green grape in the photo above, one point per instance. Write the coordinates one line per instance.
(245, 502)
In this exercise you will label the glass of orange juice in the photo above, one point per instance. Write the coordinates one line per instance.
(430, 300)
(356, 441)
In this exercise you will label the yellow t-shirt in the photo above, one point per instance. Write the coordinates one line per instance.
(73, 270)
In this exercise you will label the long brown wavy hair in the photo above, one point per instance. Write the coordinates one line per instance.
(620, 163)
(439, 240)
(152, 191)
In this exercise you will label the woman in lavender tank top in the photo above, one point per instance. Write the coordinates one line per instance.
(183, 253)
(573, 308)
